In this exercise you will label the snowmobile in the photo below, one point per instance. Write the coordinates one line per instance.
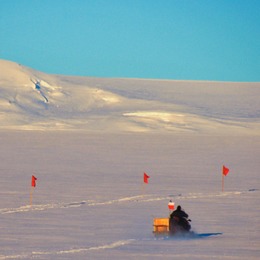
(172, 226)
(179, 225)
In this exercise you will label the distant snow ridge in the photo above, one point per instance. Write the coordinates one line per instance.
(32, 100)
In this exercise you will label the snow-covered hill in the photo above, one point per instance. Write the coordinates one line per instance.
(32, 100)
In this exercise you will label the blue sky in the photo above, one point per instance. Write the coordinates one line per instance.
(164, 39)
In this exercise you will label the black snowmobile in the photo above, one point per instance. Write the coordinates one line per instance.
(179, 222)
(179, 225)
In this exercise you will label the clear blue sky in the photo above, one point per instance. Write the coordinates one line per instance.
(165, 39)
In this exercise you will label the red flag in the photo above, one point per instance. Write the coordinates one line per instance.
(34, 181)
(146, 177)
(225, 170)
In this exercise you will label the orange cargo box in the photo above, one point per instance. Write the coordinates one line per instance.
(161, 225)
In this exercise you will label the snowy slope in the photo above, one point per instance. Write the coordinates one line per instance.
(34, 100)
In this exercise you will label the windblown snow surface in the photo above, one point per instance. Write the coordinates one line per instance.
(88, 142)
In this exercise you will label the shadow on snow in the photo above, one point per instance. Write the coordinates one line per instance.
(189, 235)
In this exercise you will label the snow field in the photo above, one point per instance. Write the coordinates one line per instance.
(90, 201)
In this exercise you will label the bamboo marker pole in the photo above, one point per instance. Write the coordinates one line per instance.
(143, 189)
(223, 182)
(31, 195)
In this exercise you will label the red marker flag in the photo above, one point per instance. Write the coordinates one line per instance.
(146, 177)
(225, 170)
(34, 181)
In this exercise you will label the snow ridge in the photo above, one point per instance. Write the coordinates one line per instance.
(132, 199)
(69, 251)
(32, 100)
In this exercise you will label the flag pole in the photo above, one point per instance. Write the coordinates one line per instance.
(222, 182)
(143, 189)
(31, 195)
